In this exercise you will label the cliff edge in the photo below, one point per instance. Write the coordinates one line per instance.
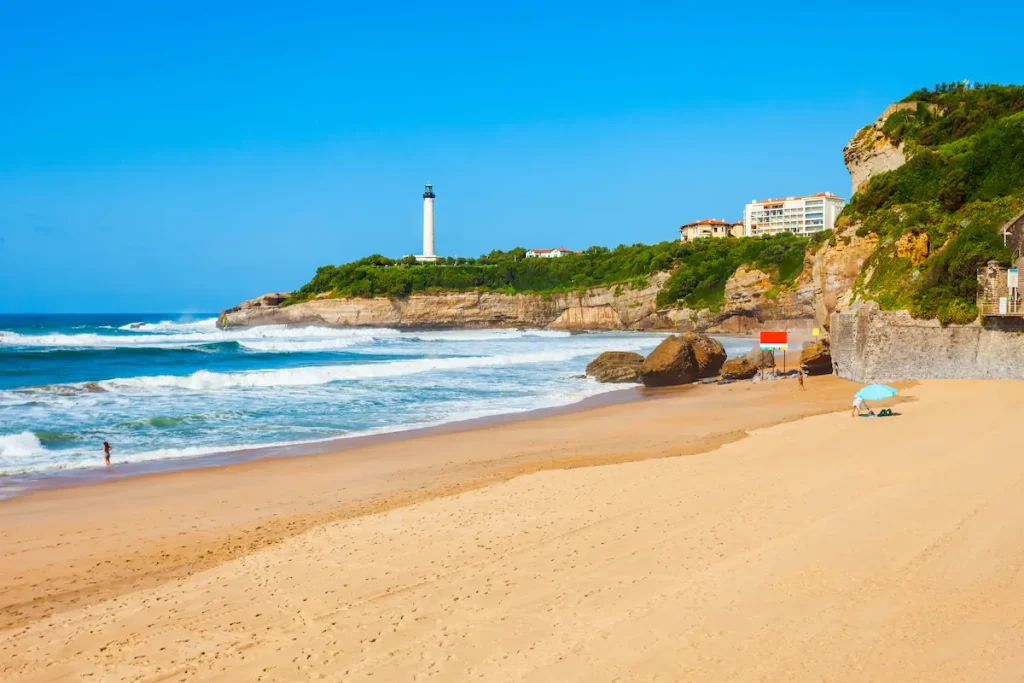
(750, 302)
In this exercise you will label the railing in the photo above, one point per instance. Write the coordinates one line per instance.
(991, 307)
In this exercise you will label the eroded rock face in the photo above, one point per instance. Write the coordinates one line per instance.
(619, 307)
(816, 359)
(738, 368)
(834, 272)
(616, 366)
(760, 358)
(710, 353)
(671, 363)
(913, 246)
(871, 152)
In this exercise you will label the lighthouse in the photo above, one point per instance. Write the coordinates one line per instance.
(428, 225)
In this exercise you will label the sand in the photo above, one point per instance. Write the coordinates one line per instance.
(725, 533)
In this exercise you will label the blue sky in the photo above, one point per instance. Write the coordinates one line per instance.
(159, 157)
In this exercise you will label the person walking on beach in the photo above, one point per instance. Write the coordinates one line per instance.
(800, 380)
(106, 453)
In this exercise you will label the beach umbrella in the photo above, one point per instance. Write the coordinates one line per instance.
(876, 392)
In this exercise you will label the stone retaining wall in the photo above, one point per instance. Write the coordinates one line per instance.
(871, 345)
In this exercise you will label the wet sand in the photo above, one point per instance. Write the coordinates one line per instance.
(790, 543)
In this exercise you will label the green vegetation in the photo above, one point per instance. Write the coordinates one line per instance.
(964, 179)
(700, 268)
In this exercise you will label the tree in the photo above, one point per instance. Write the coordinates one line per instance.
(953, 190)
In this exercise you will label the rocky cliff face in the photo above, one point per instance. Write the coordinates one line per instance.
(834, 272)
(749, 304)
(870, 152)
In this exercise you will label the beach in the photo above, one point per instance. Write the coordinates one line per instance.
(743, 532)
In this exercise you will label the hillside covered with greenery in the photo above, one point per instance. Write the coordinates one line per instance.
(964, 179)
(700, 270)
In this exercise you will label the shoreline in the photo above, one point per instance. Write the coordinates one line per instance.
(17, 485)
(21, 484)
(126, 534)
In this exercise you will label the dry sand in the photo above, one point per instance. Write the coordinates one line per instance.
(820, 549)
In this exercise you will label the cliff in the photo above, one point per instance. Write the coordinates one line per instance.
(749, 302)
(871, 152)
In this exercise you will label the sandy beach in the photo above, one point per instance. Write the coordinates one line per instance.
(744, 532)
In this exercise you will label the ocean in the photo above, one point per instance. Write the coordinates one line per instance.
(163, 388)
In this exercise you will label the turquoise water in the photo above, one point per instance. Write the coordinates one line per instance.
(172, 387)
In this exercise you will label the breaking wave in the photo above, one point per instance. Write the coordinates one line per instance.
(23, 445)
(310, 376)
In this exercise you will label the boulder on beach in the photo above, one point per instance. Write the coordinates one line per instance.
(709, 352)
(816, 358)
(616, 366)
(673, 362)
(760, 358)
(738, 368)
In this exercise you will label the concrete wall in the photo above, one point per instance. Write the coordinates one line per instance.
(870, 345)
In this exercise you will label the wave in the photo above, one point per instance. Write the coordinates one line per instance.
(23, 445)
(279, 333)
(205, 380)
(206, 324)
(53, 461)
(484, 335)
(50, 438)
(285, 346)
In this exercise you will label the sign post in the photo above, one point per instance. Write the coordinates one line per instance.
(775, 341)
(1012, 280)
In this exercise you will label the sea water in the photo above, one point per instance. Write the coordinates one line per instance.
(172, 387)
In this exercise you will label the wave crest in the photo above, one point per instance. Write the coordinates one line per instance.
(23, 445)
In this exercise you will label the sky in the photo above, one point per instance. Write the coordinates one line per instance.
(184, 156)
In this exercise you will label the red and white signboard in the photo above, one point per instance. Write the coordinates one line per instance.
(774, 341)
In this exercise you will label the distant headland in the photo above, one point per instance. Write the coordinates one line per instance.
(938, 184)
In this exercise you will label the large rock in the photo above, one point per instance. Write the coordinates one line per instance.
(672, 362)
(759, 358)
(616, 366)
(816, 359)
(709, 352)
(738, 368)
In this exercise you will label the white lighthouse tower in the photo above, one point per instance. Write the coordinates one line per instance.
(428, 225)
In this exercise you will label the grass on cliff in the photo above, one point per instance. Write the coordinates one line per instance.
(964, 179)
(700, 270)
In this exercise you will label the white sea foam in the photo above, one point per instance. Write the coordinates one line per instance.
(23, 445)
(484, 335)
(43, 461)
(197, 337)
(310, 376)
(207, 324)
(285, 346)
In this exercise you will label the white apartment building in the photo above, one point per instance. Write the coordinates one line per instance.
(798, 215)
(709, 227)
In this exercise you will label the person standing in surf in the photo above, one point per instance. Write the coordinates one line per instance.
(106, 453)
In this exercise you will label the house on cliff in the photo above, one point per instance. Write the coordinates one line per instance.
(709, 227)
(557, 252)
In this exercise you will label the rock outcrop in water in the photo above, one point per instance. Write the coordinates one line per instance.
(616, 366)
(672, 362)
(709, 353)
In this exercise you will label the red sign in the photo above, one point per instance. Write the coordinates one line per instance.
(774, 338)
